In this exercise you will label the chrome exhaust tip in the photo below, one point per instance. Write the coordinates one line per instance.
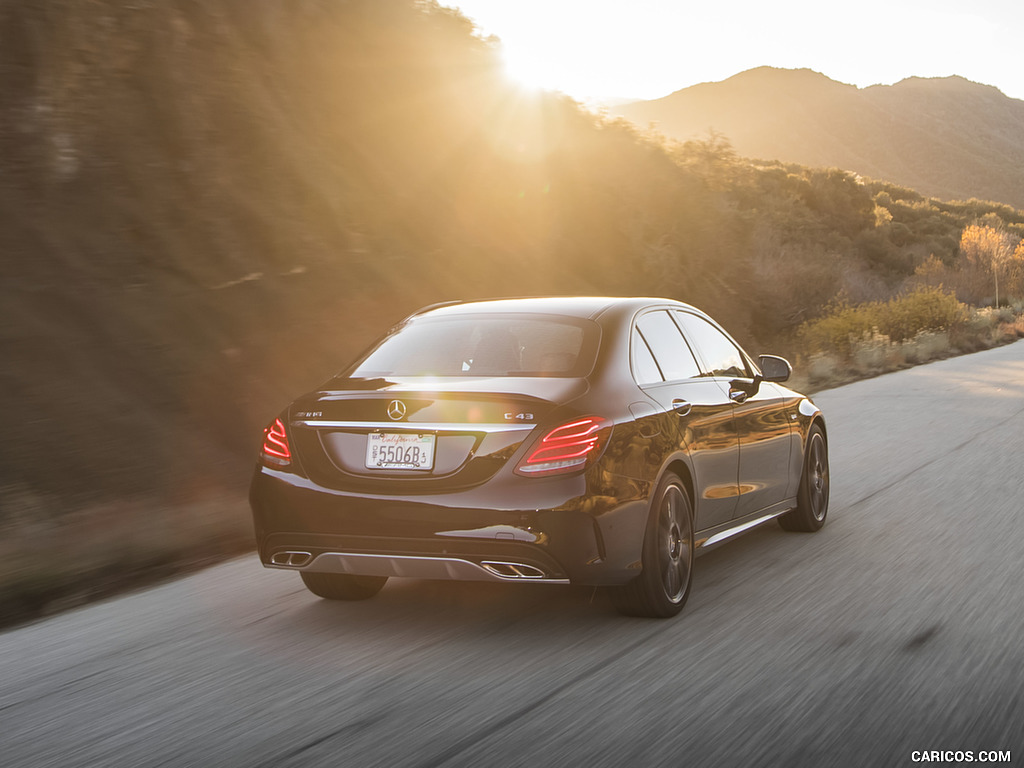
(291, 559)
(508, 570)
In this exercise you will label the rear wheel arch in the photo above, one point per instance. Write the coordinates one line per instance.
(677, 466)
(681, 469)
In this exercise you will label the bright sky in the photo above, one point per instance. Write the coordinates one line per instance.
(645, 49)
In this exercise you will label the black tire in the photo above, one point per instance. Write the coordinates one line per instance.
(343, 586)
(661, 589)
(812, 497)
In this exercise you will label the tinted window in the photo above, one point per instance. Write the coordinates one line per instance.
(668, 346)
(645, 370)
(722, 357)
(484, 345)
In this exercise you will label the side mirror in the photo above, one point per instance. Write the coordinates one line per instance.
(774, 368)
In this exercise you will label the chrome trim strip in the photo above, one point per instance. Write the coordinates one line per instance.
(413, 566)
(728, 534)
(414, 426)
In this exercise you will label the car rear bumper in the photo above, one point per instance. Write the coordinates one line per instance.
(559, 538)
(412, 559)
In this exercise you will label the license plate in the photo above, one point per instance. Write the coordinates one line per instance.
(396, 450)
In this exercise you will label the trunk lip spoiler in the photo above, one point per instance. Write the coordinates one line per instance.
(412, 426)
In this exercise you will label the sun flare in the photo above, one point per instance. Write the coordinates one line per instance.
(525, 70)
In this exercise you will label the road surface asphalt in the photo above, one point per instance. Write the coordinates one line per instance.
(897, 628)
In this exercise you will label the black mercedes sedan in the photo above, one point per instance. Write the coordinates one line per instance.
(573, 440)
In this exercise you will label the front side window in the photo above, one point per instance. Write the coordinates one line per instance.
(721, 356)
(484, 345)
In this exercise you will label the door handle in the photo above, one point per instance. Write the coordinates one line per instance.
(741, 389)
(738, 395)
(682, 407)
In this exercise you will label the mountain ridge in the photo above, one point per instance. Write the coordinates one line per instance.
(948, 137)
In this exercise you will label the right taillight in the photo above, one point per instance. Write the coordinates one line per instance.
(566, 448)
(276, 449)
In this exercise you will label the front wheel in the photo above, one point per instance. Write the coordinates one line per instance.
(661, 589)
(812, 496)
(343, 586)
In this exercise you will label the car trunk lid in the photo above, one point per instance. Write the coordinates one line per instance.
(372, 434)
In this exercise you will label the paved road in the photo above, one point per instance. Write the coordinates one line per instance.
(898, 627)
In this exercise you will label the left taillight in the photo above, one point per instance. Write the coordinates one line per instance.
(566, 448)
(276, 449)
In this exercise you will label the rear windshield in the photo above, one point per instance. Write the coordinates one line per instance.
(484, 345)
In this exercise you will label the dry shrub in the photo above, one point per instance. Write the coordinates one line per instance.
(870, 354)
(925, 346)
(1015, 328)
(863, 331)
(823, 367)
(987, 327)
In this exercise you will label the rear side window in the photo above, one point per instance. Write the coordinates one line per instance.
(721, 356)
(667, 346)
(645, 369)
(484, 345)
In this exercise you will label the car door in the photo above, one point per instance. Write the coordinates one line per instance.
(761, 414)
(696, 414)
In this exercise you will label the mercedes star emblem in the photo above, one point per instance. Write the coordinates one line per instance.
(396, 410)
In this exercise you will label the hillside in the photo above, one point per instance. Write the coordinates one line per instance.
(947, 138)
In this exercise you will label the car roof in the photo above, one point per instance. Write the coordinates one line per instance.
(589, 307)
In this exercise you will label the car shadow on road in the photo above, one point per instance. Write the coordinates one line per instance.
(478, 609)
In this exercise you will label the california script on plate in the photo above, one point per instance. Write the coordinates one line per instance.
(397, 450)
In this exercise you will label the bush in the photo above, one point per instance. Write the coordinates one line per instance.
(924, 309)
(893, 321)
